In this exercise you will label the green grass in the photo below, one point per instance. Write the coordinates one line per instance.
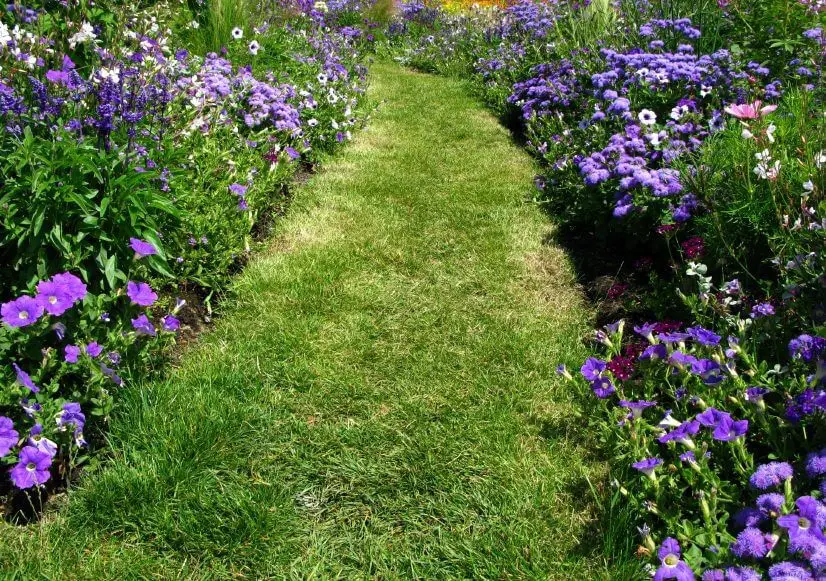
(379, 398)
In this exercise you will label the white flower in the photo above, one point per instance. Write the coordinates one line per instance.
(312, 122)
(705, 90)
(770, 132)
(237, 33)
(320, 5)
(194, 25)
(254, 47)
(5, 37)
(746, 134)
(820, 159)
(85, 34)
(322, 78)
(678, 112)
(647, 117)
(808, 186)
(763, 155)
(111, 74)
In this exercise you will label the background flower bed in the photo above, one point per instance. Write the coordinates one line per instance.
(141, 154)
(683, 158)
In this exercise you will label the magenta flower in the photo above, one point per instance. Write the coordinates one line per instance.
(141, 294)
(750, 110)
(671, 565)
(24, 379)
(8, 436)
(143, 326)
(21, 312)
(55, 298)
(32, 469)
(142, 248)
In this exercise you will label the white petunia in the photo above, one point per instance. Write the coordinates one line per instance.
(237, 33)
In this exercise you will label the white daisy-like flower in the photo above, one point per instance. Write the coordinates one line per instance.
(322, 78)
(237, 33)
(254, 47)
(647, 117)
(312, 122)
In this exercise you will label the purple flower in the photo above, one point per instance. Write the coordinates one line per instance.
(592, 369)
(646, 331)
(750, 544)
(749, 517)
(771, 474)
(21, 312)
(790, 571)
(72, 352)
(771, 502)
(71, 417)
(142, 248)
(238, 189)
(42, 443)
(8, 436)
(658, 351)
(55, 298)
(711, 417)
(647, 466)
(805, 347)
(636, 407)
(671, 565)
(94, 349)
(816, 463)
(673, 337)
(171, 323)
(603, 387)
(728, 429)
(72, 284)
(805, 522)
(681, 359)
(742, 574)
(704, 336)
(141, 294)
(32, 468)
(754, 395)
(761, 310)
(143, 326)
(24, 379)
(681, 434)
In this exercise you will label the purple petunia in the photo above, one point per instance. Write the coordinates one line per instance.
(24, 379)
(143, 326)
(171, 323)
(71, 353)
(761, 310)
(805, 522)
(41, 442)
(32, 468)
(55, 298)
(658, 351)
(593, 368)
(94, 349)
(711, 417)
(704, 336)
(142, 248)
(671, 565)
(771, 474)
(238, 189)
(806, 347)
(647, 466)
(603, 387)
(71, 417)
(141, 294)
(728, 429)
(8, 436)
(21, 312)
(636, 407)
(681, 434)
(72, 284)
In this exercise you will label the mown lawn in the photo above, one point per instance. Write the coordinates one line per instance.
(379, 398)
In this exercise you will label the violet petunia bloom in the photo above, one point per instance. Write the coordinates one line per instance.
(603, 387)
(94, 349)
(73, 285)
(636, 407)
(646, 331)
(55, 298)
(761, 310)
(673, 337)
(805, 523)
(21, 312)
(32, 468)
(647, 466)
(71, 353)
(771, 474)
(141, 294)
(110, 373)
(171, 323)
(41, 442)
(8, 436)
(142, 248)
(671, 565)
(658, 351)
(71, 416)
(238, 189)
(593, 368)
(143, 326)
(711, 417)
(681, 434)
(728, 429)
(24, 379)
(704, 336)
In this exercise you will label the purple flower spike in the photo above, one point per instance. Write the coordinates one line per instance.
(142, 248)
(671, 565)
(21, 312)
(32, 469)
(141, 294)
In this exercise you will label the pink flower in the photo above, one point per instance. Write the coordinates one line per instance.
(750, 110)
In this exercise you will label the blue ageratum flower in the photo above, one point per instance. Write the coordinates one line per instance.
(671, 565)
(771, 474)
(751, 544)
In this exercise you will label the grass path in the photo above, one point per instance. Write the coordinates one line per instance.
(379, 399)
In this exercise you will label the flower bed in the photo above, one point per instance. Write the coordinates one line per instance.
(135, 172)
(689, 154)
